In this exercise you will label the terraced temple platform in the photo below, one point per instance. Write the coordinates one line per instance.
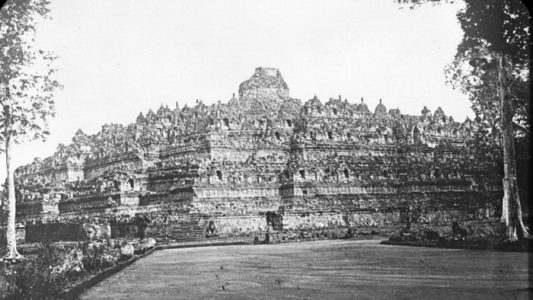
(264, 161)
(320, 270)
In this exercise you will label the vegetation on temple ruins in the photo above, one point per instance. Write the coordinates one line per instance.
(27, 85)
(492, 67)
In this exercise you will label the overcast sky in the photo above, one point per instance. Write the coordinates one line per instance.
(117, 58)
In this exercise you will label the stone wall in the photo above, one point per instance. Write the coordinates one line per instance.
(54, 232)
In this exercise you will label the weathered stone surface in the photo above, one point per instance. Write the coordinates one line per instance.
(266, 85)
(144, 244)
(126, 249)
(263, 162)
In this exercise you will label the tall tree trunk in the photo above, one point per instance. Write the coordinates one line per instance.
(11, 238)
(511, 207)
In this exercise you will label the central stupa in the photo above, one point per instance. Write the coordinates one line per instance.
(266, 84)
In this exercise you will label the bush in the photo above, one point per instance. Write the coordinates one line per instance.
(98, 256)
(39, 278)
(50, 271)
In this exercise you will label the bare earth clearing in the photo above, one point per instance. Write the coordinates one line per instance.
(320, 270)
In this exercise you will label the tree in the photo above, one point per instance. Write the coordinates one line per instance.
(492, 66)
(496, 39)
(27, 85)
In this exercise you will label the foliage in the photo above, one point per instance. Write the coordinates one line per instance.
(492, 67)
(98, 256)
(490, 27)
(497, 32)
(35, 278)
(412, 4)
(55, 267)
(27, 86)
(494, 27)
(27, 80)
(500, 26)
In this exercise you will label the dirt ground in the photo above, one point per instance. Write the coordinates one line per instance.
(320, 270)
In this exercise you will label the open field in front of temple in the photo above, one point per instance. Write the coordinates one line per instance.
(320, 270)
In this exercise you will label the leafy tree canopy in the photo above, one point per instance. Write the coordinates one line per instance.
(27, 79)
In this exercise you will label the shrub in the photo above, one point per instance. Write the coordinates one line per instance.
(39, 278)
(98, 255)
(43, 275)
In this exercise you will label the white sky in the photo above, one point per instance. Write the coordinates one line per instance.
(118, 58)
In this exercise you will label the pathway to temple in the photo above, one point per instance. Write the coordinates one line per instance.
(320, 270)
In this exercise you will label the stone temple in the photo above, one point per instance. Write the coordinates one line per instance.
(262, 162)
